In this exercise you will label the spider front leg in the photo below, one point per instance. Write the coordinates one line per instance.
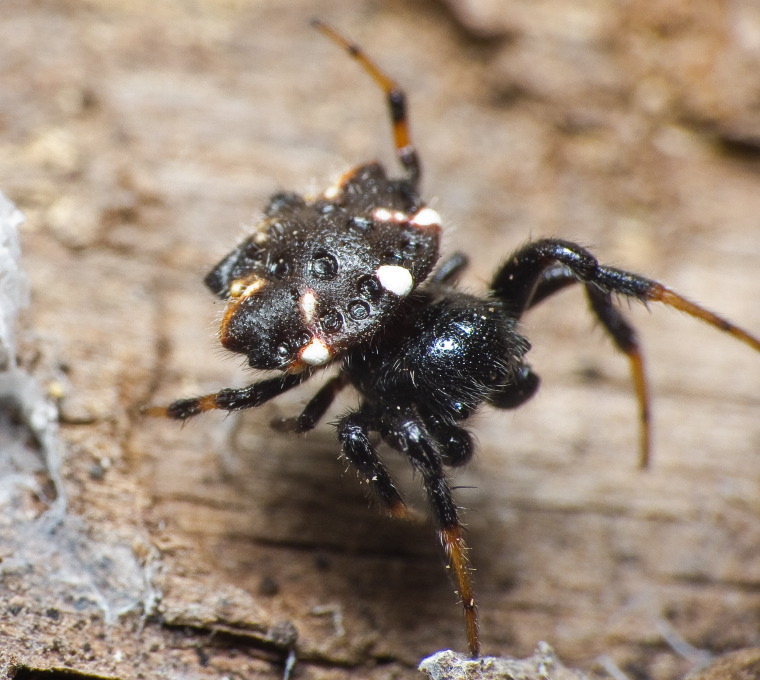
(315, 409)
(625, 339)
(546, 283)
(515, 282)
(542, 268)
(394, 95)
(229, 399)
(426, 454)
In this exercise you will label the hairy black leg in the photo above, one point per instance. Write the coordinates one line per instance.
(625, 339)
(542, 262)
(315, 409)
(542, 284)
(353, 434)
(450, 269)
(558, 277)
(411, 437)
(395, 96)
(515, 282)
(523, 385)
(551, 280)
(229, 399)
(540, 269)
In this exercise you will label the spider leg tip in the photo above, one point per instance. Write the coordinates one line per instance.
(154, 411)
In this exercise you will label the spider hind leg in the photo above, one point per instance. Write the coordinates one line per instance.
(541, 268)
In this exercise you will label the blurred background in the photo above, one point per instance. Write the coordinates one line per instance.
(140, 139)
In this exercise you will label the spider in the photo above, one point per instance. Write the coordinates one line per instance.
(352, 278)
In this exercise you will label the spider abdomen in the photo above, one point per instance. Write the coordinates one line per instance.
(456, 351)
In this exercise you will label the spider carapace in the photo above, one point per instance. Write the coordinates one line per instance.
(349, 278)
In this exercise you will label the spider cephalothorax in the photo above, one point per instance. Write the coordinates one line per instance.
(349, 278)
(316, 278)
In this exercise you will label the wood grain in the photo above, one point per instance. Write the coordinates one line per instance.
(139, 140)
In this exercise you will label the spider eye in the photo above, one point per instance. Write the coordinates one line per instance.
(324, 266)
(369, 287)
(282, 202)
(332, 321)
(324, 207)
(358, 310)
(280, 269)
(289, 345)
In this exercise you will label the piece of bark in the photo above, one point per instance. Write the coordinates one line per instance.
(542, 664)
(743, 664)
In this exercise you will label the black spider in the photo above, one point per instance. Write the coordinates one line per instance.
(349, 278)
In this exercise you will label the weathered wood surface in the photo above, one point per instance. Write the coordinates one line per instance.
(140, 138)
